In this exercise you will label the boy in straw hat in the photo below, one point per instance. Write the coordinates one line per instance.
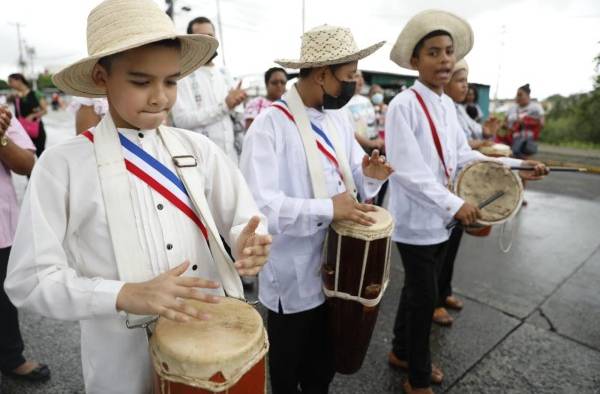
(426, 145)
(120, 223)
(304, 167)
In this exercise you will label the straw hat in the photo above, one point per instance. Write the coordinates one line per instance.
(426, 22)
(326, 45)
(460, 65)
(119, 25)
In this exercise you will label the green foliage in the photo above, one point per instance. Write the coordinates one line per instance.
(3, 85)
(575, 118)
(44, 81)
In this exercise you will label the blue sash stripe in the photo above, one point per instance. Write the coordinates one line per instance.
(157, 165)
(315, 128)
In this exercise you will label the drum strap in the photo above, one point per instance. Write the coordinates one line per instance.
(434, 133)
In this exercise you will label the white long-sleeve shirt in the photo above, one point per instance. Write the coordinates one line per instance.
(63, 266)
(275, 166)
(420, 201)
(201, 107)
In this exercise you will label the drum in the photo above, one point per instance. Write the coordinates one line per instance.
(356, 270)
(225, 354)
(478, 181)
(496, 150)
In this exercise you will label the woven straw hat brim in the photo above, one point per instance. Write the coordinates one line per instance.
(426, 22)
(361, 54)
(460, 65)
(76, 79)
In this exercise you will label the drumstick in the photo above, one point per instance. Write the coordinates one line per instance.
(551, 169)
(481, 205)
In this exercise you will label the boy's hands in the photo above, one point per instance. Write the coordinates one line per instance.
(467, 214)
(164, 295)
(345, 207)
(253, 249)
(376, 167)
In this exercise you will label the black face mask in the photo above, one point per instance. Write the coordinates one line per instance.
(213, 57)
(346, 93)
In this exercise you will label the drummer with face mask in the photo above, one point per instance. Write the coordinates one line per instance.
(304, 168)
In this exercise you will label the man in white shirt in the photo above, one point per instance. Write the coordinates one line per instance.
(426, 146)
(108, 233)
(207, 98)
(300, 202)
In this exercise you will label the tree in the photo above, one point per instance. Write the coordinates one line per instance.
(44, 81)
(3, 85)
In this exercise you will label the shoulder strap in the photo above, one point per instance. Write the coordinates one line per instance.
(434, 133)
(186, 165)
(132, 265)
(315, 165)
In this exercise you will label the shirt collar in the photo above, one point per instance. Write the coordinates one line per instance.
(427, 93)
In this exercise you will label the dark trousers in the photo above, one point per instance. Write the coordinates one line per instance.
(301, 356)
(422, 267)
(445, 284)
(11, 344)
(40, 141)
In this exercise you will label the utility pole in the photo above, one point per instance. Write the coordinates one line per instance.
(221, 38)
(502, 34)
(303, 15)
(21, 62)
(171, 9)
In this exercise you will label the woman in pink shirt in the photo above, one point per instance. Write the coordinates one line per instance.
(275, 80)
(17, 155)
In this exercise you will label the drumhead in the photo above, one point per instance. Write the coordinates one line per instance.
(480, 180)
(382, 228)
(500, 150)
(227, 344)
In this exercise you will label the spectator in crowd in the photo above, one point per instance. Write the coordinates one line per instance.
(471, 104)
(30, 106)
(363, 115)
(16, 155)
(206, 99)
(275, 81)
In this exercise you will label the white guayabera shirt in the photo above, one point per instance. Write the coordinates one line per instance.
(62, 263)
(420, 201)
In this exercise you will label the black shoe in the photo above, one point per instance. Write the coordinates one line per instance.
(41, 373)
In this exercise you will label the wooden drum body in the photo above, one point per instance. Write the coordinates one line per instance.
(478, 181)
(356, 270)
(225, 354)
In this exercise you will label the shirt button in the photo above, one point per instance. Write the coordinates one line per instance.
(448, 208)
(319, 224)
(340, 183)
(159, 207)
(169, 246)
(141, 135)
(194, 267)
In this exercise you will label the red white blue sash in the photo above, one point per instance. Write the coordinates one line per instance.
(158, 177)
(323, 143)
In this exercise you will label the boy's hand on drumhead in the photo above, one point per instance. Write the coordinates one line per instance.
(376, 166)
(467, 214)
(538, 170)
(164, 295)
(345, 207)
(253, 249)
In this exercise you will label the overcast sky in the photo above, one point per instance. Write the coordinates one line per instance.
(550, 44)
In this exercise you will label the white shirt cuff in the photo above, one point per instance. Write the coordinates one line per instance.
(322, 212)
(104, 300)
(452, 205)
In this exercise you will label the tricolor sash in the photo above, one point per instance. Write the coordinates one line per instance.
(158, 176)
(116, 158)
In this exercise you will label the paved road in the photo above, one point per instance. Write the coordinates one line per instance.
(530, 324)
